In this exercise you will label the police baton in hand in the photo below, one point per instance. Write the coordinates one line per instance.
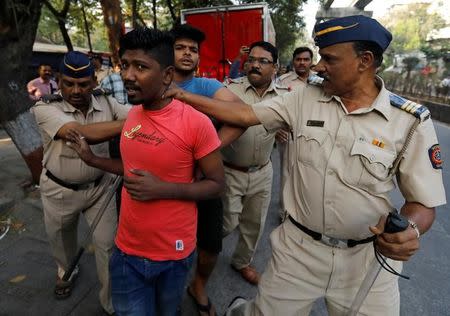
(395, 223)
(97, 218)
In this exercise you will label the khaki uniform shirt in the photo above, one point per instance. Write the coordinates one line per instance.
(59, 158)
(254, 146)
(338, 181)
(291, 80)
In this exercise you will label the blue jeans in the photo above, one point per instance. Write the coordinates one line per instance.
(143, 287)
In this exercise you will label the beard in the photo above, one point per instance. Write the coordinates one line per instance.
(185, 72)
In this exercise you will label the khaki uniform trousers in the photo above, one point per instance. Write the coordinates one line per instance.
(62, 208)
(245, 204)
(302, 270)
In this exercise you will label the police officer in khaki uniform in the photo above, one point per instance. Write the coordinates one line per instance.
(302, 59)
(68, 186)
(349, 138)
(248, 169)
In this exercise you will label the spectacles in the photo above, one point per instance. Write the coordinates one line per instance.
(261, 61)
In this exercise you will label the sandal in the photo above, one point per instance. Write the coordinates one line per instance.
(63, 289)
(201, 308)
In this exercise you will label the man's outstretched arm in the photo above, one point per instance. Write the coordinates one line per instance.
(233, 113)
(94, 133)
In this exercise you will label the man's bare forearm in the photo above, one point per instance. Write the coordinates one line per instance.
(230, 112)
(201, 190)
(107, 164)
(94, 133)
(420, 214)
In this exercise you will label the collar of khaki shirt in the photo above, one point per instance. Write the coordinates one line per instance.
(94, 106)
(381, 104)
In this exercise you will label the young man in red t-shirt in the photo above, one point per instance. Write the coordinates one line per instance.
(162, 140)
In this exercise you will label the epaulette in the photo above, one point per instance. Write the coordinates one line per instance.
(234, 81)
(282, 87)
(101, 91)
(418, 110)
(315, 80)
(49, 98)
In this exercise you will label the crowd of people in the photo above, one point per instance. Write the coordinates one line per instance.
(195, 157)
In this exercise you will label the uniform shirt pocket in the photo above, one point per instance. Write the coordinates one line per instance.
(369, 166)
(309, 144)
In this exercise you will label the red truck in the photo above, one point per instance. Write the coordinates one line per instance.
(227, 28)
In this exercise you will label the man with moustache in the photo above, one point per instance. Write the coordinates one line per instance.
(68, 186)
(248, 169)
(210, 212)
(162, 142)
(42, 85)
(352, 138)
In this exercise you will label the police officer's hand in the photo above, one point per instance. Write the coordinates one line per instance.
(142, 185)
(282, 136)
(398, 246)
(77, 142)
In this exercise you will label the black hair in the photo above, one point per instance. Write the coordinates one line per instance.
(302, 49)
(377, 51)
(189, 32)
(43, 65)
(157, 44)
(268, 47)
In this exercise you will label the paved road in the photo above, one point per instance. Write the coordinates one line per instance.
(27, 271)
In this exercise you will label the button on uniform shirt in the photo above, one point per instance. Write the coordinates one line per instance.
(338, 181)
(254, 146)
(37, 88)
(291, 80)
(59, 158)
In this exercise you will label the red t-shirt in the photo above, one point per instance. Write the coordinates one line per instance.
(166, 143)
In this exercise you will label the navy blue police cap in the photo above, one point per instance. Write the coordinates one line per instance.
(350, 29)
(76, 65)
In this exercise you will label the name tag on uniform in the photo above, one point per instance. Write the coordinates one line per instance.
(315, 123)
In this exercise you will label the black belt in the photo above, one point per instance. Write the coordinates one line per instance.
(244, 169)
(73, 186)
(330, 241)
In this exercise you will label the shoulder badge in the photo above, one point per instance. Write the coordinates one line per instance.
(49, 98)
(101, 91)
(435, 156)
(418, 110)
(315, 80)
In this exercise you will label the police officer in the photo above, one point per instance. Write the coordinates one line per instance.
(248, 169)
(302, 59)
(68, 186)
(351, 138)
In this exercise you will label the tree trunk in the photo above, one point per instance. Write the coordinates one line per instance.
(86, 25)
(65, 34)
(155, 18)
(24, 132)
(175, 19)
(113, 21)
(20, 18)
(61, 17)
(134, 13)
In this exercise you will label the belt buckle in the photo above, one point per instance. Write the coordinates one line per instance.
(333, 242)
(253, 168)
